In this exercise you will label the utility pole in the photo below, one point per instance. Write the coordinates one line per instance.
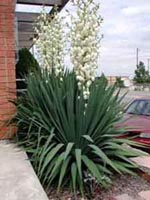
(32, 49)
(148, 62)
(137, 56)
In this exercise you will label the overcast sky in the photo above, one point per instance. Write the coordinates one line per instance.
(126, 27)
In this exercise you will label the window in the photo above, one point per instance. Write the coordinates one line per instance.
(139, 107)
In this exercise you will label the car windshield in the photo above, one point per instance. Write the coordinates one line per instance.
(139, 107)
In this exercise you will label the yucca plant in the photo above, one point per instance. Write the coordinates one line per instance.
(67, 137)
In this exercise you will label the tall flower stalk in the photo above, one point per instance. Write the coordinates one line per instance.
(50, 42)
(85, 43)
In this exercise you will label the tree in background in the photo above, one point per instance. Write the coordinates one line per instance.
(119, 82)
(141, 74)
(27, 63)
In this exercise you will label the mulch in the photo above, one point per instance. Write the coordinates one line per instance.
(121, 184)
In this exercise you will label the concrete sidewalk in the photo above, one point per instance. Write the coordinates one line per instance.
(18, 180)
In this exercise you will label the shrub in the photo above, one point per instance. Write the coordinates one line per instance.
(27, 63)
(67, 137)
(119, 82)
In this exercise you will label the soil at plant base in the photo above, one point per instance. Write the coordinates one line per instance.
(121, 184)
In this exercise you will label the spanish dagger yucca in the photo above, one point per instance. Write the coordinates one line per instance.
(67, 137)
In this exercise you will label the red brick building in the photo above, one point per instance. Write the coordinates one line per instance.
(7, 51)
(112, 80)
(7, 63)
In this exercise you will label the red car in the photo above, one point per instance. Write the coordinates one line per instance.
(137, 120)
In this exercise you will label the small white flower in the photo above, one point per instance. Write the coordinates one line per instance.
(86, 96)
(92, 78)
(80, 78)
(88, 83)
(79, 84)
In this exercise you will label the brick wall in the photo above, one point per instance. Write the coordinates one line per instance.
(7, 65)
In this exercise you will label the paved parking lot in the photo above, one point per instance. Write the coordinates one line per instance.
(133, 95)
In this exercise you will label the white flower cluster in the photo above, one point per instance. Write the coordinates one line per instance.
(50, 42)
(85, 43)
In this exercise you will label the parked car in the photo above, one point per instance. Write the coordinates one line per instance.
(137, 120)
